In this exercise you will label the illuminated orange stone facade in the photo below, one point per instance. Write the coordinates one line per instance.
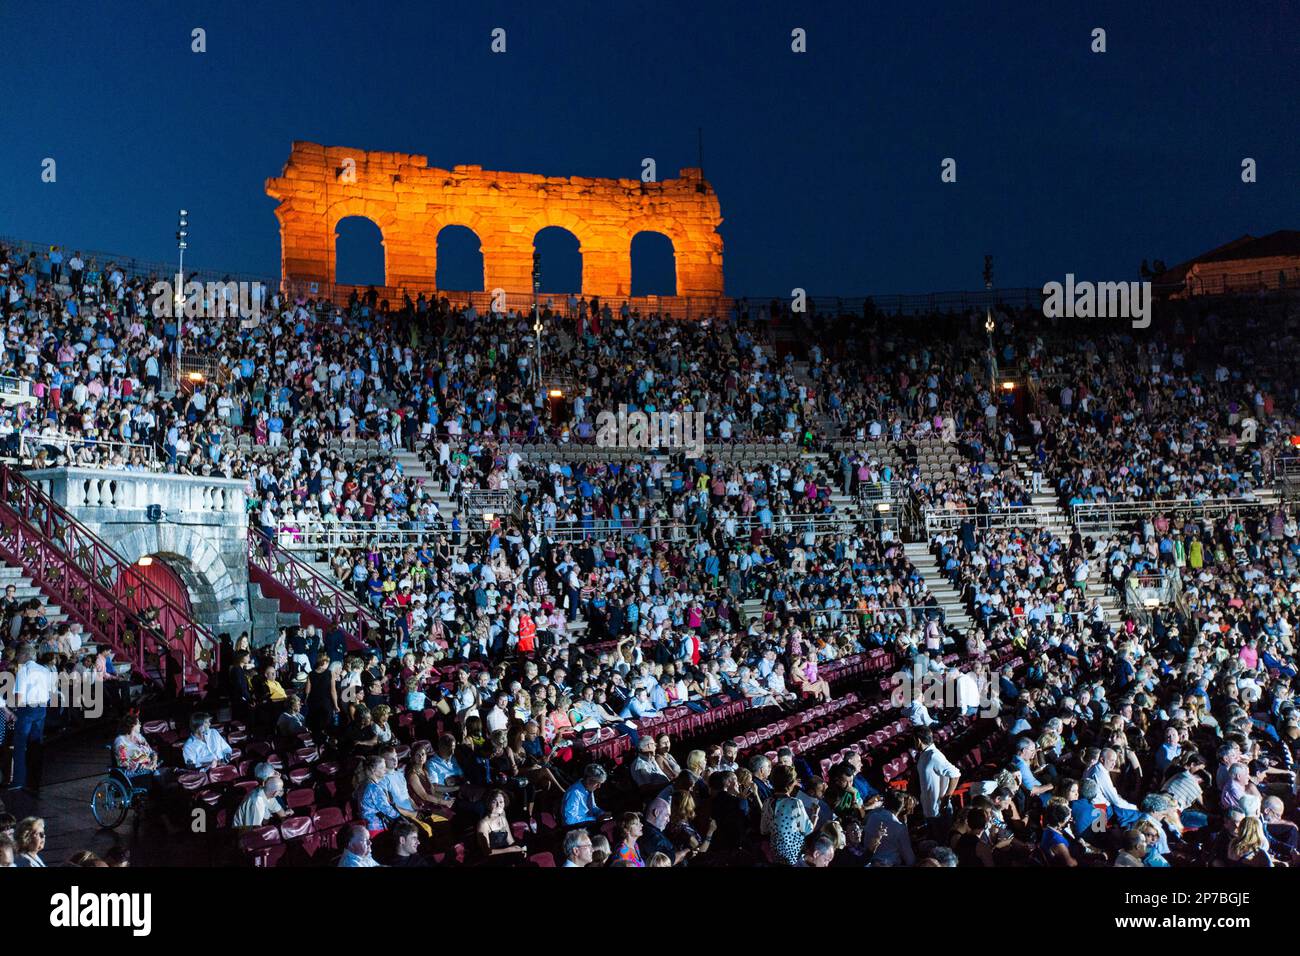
(411, 202)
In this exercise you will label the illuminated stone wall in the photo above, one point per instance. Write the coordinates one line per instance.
(411, 202)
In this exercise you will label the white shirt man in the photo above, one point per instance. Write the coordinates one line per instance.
(34, 685)
(261, 804)
(357, 852)
(968, 694)
(938, 779)
(205, 748)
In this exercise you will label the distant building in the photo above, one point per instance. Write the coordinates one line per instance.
(1244, 265)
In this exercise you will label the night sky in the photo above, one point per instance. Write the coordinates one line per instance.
(827, 163)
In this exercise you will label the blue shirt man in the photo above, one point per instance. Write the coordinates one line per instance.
(580, 799)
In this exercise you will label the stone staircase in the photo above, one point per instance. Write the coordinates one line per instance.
(267, 616)
(25, 589)
(1059, 523)
(954, 609)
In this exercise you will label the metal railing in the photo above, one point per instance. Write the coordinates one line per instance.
(873, 492)
(14, 390)
(1027, 516)
(132, 267)
(657, 530)
(72, 445)
(480, 502)
(554, 303)
(357, 534)
(1109, 515)
(1287, 469)
(305, 588)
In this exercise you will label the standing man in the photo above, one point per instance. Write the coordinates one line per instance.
(939, 778)
(33, 694)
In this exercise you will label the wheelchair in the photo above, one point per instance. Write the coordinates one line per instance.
(114, 795)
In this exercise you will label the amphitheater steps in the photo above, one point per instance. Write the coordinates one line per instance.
(954, 609)
(1060, 524)
(25, 589)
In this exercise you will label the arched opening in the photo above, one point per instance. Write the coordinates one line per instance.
(561, 261)
(460, 260)
(155, 591)
(654, 264)
(358, 252)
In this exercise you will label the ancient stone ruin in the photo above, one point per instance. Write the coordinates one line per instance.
(411, 202)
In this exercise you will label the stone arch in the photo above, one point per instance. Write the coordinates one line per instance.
(557, 268)
(441, 270)
(215, 596)
(361, 209)
(650, 256)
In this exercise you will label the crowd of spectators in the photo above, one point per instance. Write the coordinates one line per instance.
(622, 588)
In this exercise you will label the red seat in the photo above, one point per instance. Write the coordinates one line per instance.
(295, 828)
(299, 799)
(542, 859)
(258, 844)
(299, 775)
(225, 774)
(192, 781)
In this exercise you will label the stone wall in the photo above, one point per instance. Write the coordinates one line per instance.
(411, 202)
(203, 535)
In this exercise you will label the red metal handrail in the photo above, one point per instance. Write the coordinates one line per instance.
(297, 583)
(73, 566)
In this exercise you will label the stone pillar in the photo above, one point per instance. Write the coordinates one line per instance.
(507, 261)
(607, 271)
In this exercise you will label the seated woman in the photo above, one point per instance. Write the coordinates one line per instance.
(805, 680)
(496, 841)
(423, 795)
(370, 797)
(133, 755)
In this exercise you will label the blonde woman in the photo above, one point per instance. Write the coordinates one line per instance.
(1250, 845)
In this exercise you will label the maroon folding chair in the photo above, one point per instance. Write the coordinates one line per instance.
(260, 845)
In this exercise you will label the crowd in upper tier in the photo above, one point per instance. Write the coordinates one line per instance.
(677, 658)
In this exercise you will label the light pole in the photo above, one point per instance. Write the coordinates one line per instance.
(178, 298)
(989, 326)
(537, 318)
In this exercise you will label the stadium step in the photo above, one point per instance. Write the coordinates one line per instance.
(25, 590)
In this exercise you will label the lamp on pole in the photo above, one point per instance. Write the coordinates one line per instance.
(178, 297)
(537, 318)
(989, 326)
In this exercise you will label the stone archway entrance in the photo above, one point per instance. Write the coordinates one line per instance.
(201, 536)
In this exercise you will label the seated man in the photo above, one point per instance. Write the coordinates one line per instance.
(646, 770)
(206, 748)
(292, 721)
(1283, 835)
(580, 799)
(262, 805)
(357, 848)
(408, 845)
(394, 785)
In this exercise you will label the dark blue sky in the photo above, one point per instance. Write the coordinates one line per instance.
(826, 163)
